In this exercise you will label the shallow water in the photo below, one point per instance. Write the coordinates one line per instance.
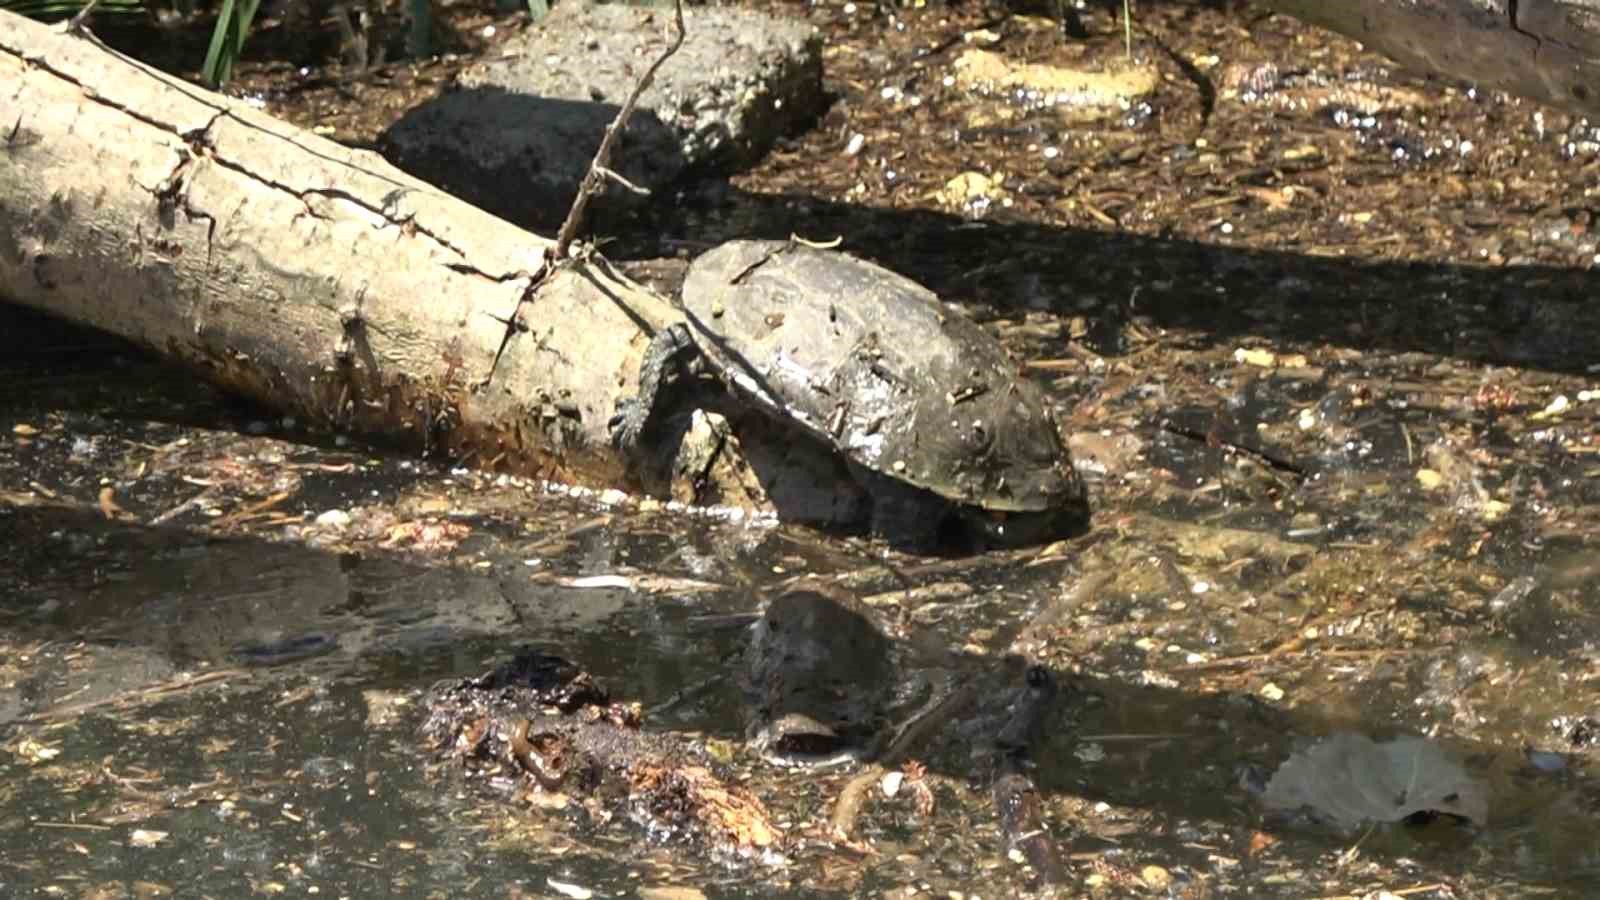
(213, 713)
(1332, 382)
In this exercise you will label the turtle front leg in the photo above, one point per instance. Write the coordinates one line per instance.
(670, 346)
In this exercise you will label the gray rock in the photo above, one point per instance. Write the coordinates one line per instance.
(515, 135)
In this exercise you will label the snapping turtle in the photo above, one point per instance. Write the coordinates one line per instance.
(925, 406)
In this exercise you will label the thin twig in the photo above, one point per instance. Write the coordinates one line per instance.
(617, 177)
(938, 711)
(593, 180)
(77, 24)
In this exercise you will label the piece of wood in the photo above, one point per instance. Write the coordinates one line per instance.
(1545, 50)
(313, 277)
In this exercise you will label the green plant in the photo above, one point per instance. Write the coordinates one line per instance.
(227, 39)
(1127, 28)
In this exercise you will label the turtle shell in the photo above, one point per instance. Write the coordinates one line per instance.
(873, 364)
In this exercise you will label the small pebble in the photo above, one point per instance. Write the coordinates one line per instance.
(1155, 877)
(334, 518)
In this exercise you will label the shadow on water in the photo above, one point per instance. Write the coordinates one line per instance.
(164, 600)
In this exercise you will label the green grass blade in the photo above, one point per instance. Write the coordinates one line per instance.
(227, 39)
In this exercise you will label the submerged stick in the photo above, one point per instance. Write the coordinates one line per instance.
(1016, 798)
(847, 808)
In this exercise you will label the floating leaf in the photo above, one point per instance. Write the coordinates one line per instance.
(1349, 779)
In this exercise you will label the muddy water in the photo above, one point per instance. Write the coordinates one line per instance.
(226, 701)
(1322, 337)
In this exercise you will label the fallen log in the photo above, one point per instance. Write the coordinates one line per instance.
(324, 283)
(1545, 50)
(313, 277)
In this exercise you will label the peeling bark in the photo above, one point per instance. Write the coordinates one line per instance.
(310, 276)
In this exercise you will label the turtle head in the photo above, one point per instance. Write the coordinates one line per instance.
(999, 528)
(1015, 484)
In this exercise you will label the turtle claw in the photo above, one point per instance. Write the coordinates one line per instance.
(627, 424)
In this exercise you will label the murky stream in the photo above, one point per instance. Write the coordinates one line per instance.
(226, 704)
(1321, 336)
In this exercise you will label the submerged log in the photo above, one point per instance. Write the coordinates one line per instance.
(1545, 50)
